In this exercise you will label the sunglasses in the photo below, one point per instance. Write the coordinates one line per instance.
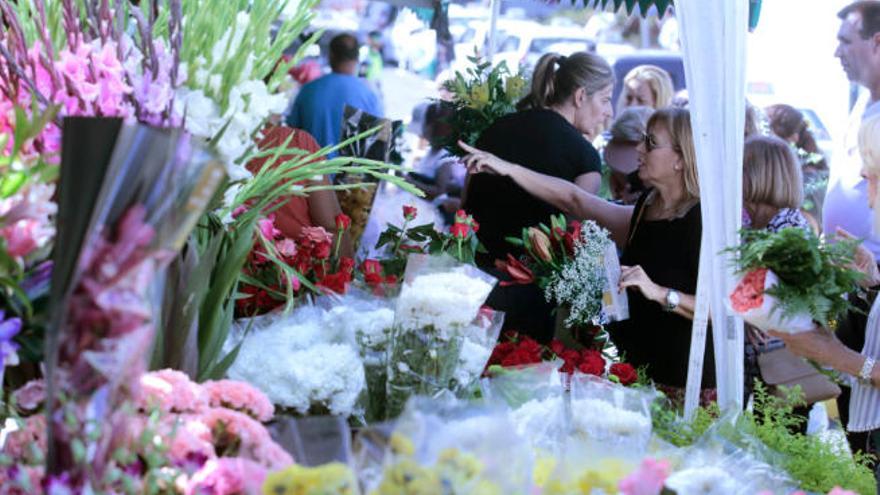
(650, 143)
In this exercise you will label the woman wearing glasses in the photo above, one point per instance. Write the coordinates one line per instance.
(660, 239)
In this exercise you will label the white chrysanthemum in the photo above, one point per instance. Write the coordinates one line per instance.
(702, 481)
(595, 417)
(447, 301)
(370, 328)
(290, 364)
(471, 361)
(541, 421)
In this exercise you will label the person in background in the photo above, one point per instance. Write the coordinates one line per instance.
(569, 97)
(772, 196)
(822, 345)
(319, 208)
(846, 202)
(646, 86)
(439, 174)
(789, 124)
(622, 156)
(660, 237)
(318, 107)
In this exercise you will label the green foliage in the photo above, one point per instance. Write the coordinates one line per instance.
(813, 276)
(814, 464)
(425, 238)
(479, 97)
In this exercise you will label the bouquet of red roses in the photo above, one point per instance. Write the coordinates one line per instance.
(519, 350)
(460, 241)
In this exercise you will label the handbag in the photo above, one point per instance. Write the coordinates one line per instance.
(781, 368)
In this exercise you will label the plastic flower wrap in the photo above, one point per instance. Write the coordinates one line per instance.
(300, 366)
(479, 341)
(438, 301)
(369, 319)
(451, 447)
(791, 278)
(330, 479)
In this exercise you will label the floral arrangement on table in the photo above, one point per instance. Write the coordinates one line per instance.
(439, 300)
(179, 437)
(460, 242)
(278, 267)
(517, 350)
(791, 279)
(480, 96)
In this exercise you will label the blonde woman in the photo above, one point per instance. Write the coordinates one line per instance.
(660, 238)
(646, 86)
(772, 185)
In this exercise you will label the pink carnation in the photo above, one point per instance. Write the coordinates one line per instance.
(170, 391)
(30, 395)
(648, 479)
(20, 444)
(840, 491)
(227, 476)
(238, 434)
(239, 396)
(190, 444)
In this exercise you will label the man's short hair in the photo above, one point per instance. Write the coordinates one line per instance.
(870, 13)
(343, 48)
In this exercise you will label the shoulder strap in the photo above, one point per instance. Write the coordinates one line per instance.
(640, 210)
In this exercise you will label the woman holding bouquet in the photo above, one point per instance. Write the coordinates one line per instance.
(823, 347)
(570, 96)
(660, 238)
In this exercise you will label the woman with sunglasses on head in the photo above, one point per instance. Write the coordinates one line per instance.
(660, 240)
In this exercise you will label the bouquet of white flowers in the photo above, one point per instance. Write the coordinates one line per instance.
(438, 302)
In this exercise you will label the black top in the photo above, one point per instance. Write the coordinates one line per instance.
(669, 252)
(541, 140)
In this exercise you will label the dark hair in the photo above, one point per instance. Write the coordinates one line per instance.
(556, 78)
(785, 121)
(436, 124)
(870, 12)
(343, 48)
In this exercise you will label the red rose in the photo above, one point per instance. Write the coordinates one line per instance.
(519, 357)
(592, 364)
(461, 216)
(391, 279)
(625, 373)
(501, 351)
(475, 226)
(409, 212)
(557, 347)
(321, 250)
(334, 282)
(459, 230)
(531, 346)
(568, 241)
(346, 265)
(302, 262)
(568, 367)
(372, 267)
(570, 355)
(343, 221)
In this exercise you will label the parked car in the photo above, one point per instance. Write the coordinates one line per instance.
(521, 43)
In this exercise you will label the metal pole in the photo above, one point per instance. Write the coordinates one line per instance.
(493, 29)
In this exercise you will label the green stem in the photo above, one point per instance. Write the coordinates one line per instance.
(402, 235)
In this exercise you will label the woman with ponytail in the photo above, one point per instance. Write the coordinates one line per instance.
(570, 96)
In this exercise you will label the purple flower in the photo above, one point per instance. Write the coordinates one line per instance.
(9, 328)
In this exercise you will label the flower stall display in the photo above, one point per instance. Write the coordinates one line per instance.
(438, 301)
(791, 280)
(179, 437)
(480, 96)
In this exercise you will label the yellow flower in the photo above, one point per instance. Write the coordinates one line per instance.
(514, 86)
(544, 468)
(479, 96)
(330, 479)
(401, 445)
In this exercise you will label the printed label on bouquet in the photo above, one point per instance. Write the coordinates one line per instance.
(615, 305)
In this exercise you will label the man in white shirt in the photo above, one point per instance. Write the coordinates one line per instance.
(858, 49)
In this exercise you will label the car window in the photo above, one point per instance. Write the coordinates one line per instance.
(509, 43)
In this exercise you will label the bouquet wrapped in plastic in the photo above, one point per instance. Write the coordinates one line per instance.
(791, 279)
(454, 448)
(438, 301)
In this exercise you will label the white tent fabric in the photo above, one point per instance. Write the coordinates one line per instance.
(714, 46)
